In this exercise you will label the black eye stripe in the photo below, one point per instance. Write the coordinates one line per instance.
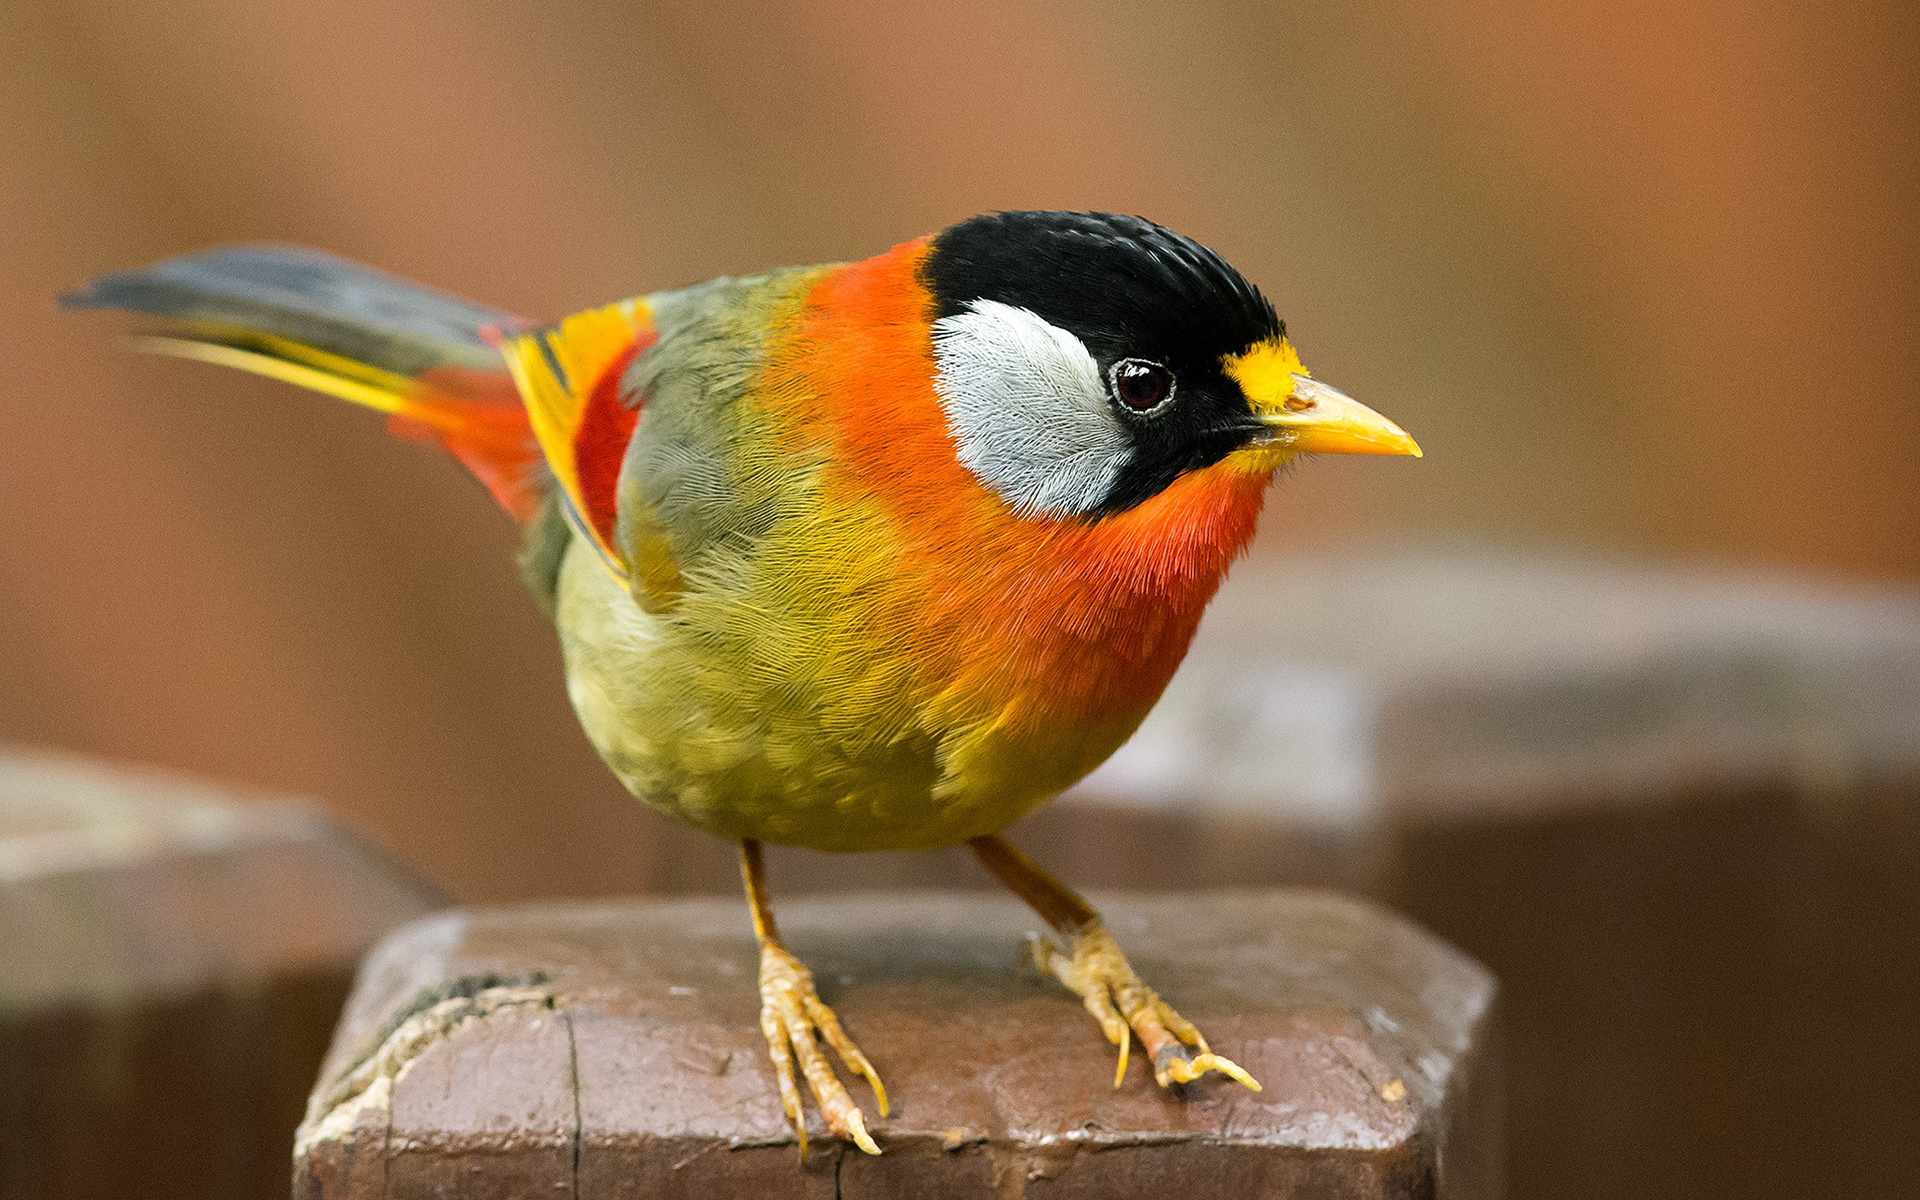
(1140, 386)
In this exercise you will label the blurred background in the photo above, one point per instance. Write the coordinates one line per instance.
(1643, 278)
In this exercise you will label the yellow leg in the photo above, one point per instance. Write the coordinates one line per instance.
(792, 1016)
(1093, 966)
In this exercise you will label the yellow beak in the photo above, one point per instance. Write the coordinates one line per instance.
(1318, 419)
(1303, 415)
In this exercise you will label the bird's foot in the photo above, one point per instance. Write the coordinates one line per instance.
(1095, 968)
(791, 1015)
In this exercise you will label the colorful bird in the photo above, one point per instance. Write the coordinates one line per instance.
(868, 556)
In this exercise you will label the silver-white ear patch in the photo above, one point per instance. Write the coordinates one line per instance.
(1027, 410)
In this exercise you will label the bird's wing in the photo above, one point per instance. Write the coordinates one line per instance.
(569, 378)
(705, 475)
(714, 466)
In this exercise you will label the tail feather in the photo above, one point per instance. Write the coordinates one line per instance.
(431, 361)
(305, 296)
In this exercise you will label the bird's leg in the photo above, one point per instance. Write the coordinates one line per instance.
(1092, 965)
(792, 1016)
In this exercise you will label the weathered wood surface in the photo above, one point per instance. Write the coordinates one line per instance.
(613, 1050)
(171, 966)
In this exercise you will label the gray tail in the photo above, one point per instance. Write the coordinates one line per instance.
(242, 296)
(430, 361)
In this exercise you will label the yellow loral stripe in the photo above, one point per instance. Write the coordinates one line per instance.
(582, 347)
(1265, 373)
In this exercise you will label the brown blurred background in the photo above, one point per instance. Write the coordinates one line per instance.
(1641, 278)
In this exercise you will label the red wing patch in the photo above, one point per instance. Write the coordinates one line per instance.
(600, 444)
(569, 380)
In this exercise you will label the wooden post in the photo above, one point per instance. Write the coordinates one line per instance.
(171, 964)
(613, 1050)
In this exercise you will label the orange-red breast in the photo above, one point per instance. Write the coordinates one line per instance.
(865, 556)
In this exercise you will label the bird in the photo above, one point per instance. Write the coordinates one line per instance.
(865, 556)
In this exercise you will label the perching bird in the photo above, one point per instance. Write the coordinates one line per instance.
(867, 556)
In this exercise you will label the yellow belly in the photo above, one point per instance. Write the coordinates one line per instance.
(804, 736)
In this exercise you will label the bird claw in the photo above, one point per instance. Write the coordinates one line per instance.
(795, 1020)
(1096, 969)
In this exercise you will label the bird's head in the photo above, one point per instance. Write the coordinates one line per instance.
(1085, 361)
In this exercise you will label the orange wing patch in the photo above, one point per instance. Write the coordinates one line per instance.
(569, 380)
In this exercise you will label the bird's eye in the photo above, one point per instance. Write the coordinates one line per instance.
(1140, 385)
